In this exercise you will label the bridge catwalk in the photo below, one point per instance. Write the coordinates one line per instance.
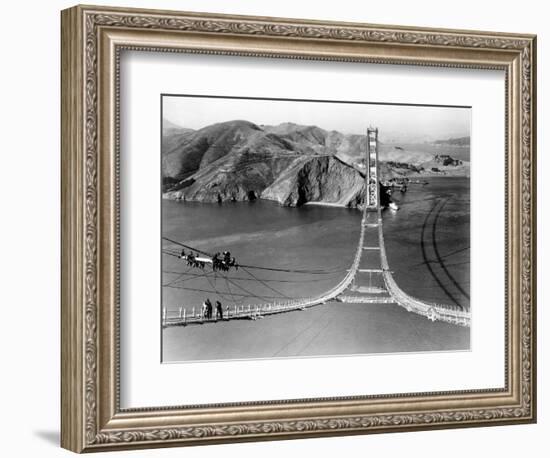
(370, 259)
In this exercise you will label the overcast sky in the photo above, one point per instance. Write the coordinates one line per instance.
(395, 122)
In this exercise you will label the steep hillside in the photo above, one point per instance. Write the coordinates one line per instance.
(184, 153)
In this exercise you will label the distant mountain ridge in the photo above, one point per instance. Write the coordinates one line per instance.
(460, 141)
(289, 163)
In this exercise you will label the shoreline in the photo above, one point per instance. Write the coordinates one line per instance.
(327, 204)
(169, 196)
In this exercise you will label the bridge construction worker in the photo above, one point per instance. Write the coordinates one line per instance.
(219, 310)
(210, 309)
(207, 309)
(227, 260)
(216, 261)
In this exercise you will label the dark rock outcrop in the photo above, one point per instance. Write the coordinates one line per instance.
(323, 179)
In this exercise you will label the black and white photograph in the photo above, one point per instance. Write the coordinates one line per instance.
(309, 228)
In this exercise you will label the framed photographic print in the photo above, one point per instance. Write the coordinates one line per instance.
(278, 228)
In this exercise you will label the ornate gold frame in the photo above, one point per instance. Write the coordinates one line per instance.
(92, 38)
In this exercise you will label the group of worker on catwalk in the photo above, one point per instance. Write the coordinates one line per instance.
(208, 309)
(224, 262)
(192, 259)
(220, 261)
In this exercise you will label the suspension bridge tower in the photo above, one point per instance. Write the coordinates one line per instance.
(371, 163)
(368, 285)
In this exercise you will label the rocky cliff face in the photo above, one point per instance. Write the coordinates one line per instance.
(320, 179)
(288, 163)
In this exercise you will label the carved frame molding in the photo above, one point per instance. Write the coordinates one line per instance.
(91, 417)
